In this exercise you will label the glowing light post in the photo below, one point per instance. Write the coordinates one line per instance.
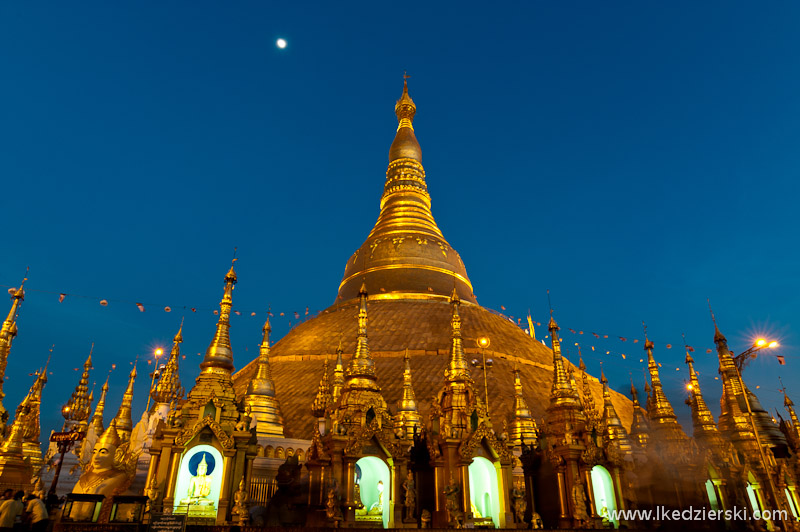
(740, 361)
(483, 342)
(157, 353)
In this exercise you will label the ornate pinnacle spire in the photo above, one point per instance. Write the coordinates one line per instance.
(705, 429)
(407, 414)
(523, 427)
(457, 369)
(640, 427)
(97, 418)
(613, 431)
(562, 391)
(662, 416)
(588, 399)
(338, 374)
(323, 397)
(406, 253)
(409, 401)
(77, 409)
(7, 333)
(169, 387)
(260, 396)
(219, 355)
(262, 384)
(123, 419)
(30, 409)
(795, 426)
(361, 369)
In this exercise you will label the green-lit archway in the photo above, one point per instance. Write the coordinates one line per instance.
(374, 482)
(483, 490)
(604, 500)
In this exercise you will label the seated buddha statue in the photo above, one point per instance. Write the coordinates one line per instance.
(199, 486)
(103, 475)
(377, 506)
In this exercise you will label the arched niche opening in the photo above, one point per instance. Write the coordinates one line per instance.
(604, 500)
(483, 490)
(711, 489)
(374, 481)
(199, 482)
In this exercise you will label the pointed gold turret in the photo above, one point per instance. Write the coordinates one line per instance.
(562, 392)
(124, 419)
(406, 253)
(77, 409)
(361, 392)
(338, 374)
(408, 417)
(664, 423)
(29, 410)
(168, 388)
(361, 368)
(523, 427)
(260, 396)
(795, 426)
(640, 427)
(97, 418)
(705, 428)
(323, 398)
(219, 355)
(7, 333)
(614, 434)
(457, 369)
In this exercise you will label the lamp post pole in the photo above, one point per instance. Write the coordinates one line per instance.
(484, 342)
(740, 361)
(158, 352)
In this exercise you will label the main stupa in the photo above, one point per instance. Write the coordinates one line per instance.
(410, 271)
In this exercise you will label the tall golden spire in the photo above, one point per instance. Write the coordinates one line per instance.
(457, 369)
(338, 374)
(789, 405)
(640, 427)
(168, 388)
(613, 431)
(406, 253)
(7, 333)
(361, 368)
(407, 413)
(323, 398)
(523, 427)
(123, 419)
(664, 422)
(562, 392)
(705, 428)
(29, 411)
(219, 355)
(77, 409)
(457, 398)
(260, 395)
(97, 418)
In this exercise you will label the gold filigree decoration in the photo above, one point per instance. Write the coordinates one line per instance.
(355, 255)
(397, 241)
(422, 241)
(384, 435)
(187, 434)
(468, 447)
(374, 245)
(444, 247)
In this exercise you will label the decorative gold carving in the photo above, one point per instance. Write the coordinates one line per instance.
(467, 448)
(187, 434)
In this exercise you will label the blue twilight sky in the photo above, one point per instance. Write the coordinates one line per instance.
(634, 158)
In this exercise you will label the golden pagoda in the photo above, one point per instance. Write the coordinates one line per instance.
(7, 333)
(124, 418)
(640, 427)
(261, 397)
(522, 427)
(705, 433)
(408, 418)
(29, 410)
(99, 410)
(664, 426)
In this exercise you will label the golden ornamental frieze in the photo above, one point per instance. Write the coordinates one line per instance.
(384, 435)
(187, 434)
(467, 448)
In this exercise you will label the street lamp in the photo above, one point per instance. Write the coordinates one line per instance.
(157, 353)
(740, 361)
(743, 358)
(483, 342)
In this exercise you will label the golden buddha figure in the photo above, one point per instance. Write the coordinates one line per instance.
(199, 486)
(104, 474)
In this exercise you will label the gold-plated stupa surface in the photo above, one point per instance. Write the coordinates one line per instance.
(422, 326)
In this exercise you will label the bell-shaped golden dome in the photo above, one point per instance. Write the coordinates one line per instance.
(405, 254)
